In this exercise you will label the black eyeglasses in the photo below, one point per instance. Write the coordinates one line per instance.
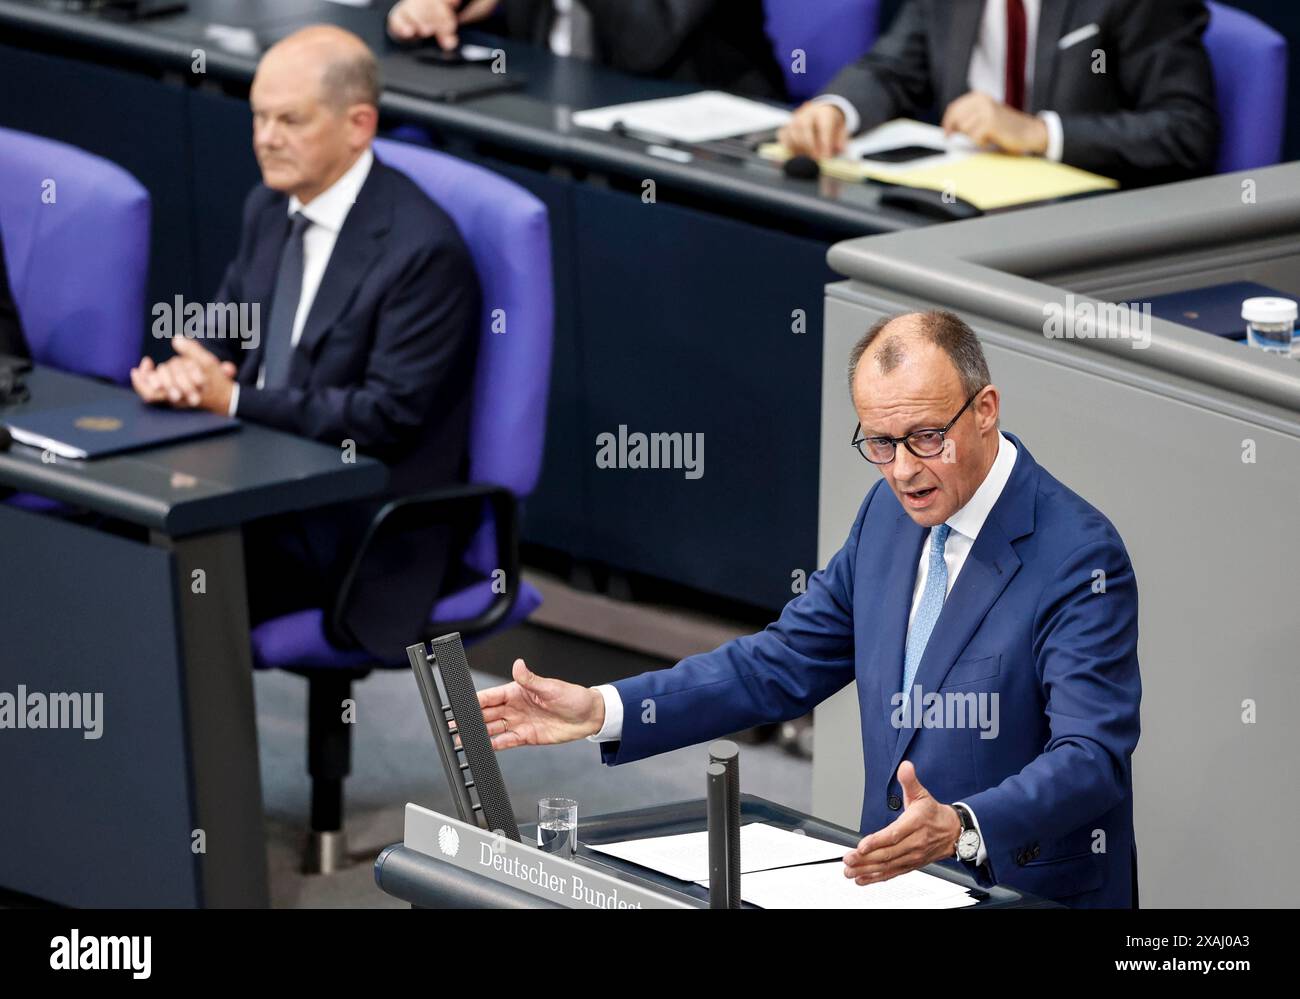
(922, 443)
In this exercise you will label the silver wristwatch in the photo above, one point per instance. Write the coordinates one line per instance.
(968, 840)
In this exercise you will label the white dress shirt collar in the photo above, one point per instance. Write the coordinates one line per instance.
(970, 518)
(330, 208)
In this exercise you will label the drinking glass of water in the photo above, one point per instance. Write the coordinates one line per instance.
(557, 826)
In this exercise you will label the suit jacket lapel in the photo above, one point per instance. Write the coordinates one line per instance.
(1052, 18)
(963, 29)
(892, 607)
(359, 243)
(259, 282)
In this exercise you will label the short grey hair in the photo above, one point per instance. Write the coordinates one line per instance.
(351, 79)
(946, 330)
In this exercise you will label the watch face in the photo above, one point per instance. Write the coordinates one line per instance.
(968, 845)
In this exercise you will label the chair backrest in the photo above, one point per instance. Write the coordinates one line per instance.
(830, 33)
(1250, 63)
(76, 239)
(508, 234)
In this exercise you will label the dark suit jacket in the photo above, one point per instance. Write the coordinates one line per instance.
(715, 43)
(12, 341)
(1150, 118)
(385, 359)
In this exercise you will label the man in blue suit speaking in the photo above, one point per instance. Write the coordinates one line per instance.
(989, 617)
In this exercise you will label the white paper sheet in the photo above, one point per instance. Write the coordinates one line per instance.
(700, 117)
(686, 855)
(824, 886)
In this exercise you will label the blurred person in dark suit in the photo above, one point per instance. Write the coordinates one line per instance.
(1119, 87)
(710, 42)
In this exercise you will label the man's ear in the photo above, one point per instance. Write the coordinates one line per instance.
(363, 122)
(988, 407)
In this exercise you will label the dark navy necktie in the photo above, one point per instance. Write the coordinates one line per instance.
(284, 306)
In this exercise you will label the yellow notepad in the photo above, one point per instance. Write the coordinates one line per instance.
(986, 180)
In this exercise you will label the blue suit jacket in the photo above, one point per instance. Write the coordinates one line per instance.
(1031, 618)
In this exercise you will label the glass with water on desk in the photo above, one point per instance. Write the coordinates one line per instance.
(557, 826)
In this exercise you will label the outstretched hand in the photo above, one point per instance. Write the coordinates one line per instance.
(535, 710)
(926, 831)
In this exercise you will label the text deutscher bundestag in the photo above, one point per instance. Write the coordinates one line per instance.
(536, 874)
(35, 710)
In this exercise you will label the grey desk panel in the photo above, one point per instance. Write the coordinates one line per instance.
(1155, 439)
(997, 265)
(428, 884)
(106, 821)
(197, 486)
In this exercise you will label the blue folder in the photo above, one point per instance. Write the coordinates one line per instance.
(1216, 308)
(111, 426)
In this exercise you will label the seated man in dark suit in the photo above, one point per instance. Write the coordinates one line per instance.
(372, 305)
(1119, 87)
(710, 42)
(12, 341)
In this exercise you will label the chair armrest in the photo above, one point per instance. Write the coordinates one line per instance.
(441, 506)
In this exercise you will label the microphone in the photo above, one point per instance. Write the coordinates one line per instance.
(724, 825)
(801, 168)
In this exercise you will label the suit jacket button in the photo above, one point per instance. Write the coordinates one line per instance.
(895, 802)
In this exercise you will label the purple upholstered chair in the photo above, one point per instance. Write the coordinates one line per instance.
(76, 238)
(1250, 63)
(831, 33)
(76, 242)
(508, 235)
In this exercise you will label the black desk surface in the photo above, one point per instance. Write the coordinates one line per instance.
(532, 121)
(418, 881)
(194, 487)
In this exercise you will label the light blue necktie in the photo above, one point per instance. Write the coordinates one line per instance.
(927, 612)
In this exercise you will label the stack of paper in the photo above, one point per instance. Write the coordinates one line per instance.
(824, 886)
(781, 869)
(700, 117)
(685, 856)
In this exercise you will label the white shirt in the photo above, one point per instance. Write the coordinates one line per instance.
(561, 38)
(571, 31)
(987, 70)
(965, 524)
(326, 212)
